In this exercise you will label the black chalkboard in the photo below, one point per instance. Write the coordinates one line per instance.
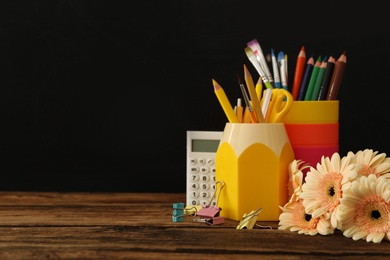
(98, 95)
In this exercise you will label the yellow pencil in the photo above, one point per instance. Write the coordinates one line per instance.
(252, 92)
(224, 101)
(259, 88)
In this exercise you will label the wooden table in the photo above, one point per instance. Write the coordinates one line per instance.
(46, 225)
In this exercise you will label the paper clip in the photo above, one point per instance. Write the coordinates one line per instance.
(249, 220)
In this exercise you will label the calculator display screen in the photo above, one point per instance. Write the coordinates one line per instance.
(209, 146)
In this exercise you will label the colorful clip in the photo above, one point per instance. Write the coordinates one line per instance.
(210, 221)
(249, 220)
(209, 211)
(178, 212)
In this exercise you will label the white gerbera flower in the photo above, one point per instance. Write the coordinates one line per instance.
(294, 218)
(364, 212)
(371, 162)
(324, 186)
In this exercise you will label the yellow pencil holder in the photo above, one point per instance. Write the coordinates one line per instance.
(252, 161)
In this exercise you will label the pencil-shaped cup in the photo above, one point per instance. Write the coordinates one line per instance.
(252, 160)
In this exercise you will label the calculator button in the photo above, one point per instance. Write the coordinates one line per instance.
(194, 177)
(195, 186)
(204, 178)
(194, 202)
(204, 169)
(205, 194)
(194, 169)
(195, 194)
(212, 169)
(205, 186)
(201, 161)
(210, 161)
(193, 161)
(204, 203)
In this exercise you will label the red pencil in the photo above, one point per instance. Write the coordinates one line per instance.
(337, 76)
(298, 75)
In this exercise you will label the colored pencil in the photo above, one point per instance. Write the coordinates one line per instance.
(337, 76)
(298, 74)
(306, 77)
(326, 80)
(320, 76)
(313, 77)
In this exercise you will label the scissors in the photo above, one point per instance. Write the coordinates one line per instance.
(280, 104)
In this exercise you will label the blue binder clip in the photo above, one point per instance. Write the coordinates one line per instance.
(178, 212)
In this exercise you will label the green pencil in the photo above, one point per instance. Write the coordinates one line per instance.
(320, 77)
(313, 77)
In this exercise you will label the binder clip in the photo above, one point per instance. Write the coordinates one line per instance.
(178, 212)
(210, 214)
(210, 221)
(191, 210)
(249, 220)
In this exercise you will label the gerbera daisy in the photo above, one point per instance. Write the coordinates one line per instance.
(295, 218)
(324, 186)
(372, 163)
(364, 212)
(294, 187)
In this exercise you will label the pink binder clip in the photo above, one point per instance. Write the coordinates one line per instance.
(209, 212)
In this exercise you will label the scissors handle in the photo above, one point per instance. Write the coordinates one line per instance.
(280, 105)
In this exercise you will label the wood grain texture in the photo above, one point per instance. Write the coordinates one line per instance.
(139, 226)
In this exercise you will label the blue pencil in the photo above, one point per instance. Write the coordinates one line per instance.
(306, 77)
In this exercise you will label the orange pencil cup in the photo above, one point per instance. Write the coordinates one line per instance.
(313, 129)
(252, 161)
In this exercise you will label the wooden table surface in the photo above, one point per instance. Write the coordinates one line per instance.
(50, 225)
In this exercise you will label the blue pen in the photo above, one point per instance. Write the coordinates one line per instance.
(275, 69)
(306, 77)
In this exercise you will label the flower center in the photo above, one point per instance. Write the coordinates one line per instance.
(366, 170)
(330, 191)
(372, 214)
(375, 214)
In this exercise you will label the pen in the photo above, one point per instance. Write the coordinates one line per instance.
(275, 69)
(320, 76)
(337, 76)
(306, 77)
(253, 95)
(298, 74)
(249, 108)
(313, 78)
(224, 101)
(326, 79)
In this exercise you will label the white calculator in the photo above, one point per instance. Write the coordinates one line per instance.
(201, 149)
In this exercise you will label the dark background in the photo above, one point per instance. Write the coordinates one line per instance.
(98, 95)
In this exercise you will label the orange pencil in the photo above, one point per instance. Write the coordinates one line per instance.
(337, 76)
(299, 70)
